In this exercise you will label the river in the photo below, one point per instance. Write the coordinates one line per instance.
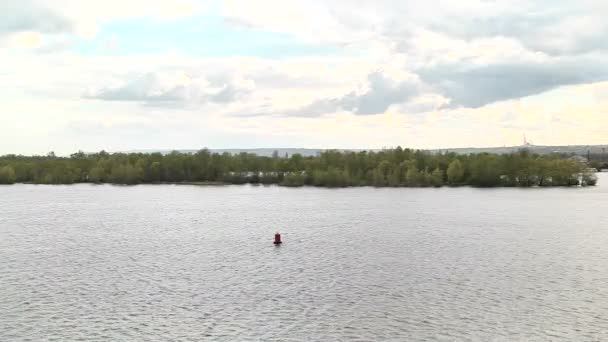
(197, 263)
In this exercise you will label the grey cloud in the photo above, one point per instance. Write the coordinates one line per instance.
(476, 86)
(382, 93)
(145, 88)
(149, 89)
(541, 26)
(571, 27)
(571, 34)
(27, 15)
(229, 93)
(534, 23)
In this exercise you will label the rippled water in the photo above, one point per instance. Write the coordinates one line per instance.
(195, 263)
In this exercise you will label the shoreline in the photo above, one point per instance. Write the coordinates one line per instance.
(218, 184)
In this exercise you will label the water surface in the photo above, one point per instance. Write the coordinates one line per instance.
(191, 263)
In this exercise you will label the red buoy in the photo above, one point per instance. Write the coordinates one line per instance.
(277, 238)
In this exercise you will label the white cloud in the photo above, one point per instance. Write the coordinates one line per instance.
(473, 52)
(419, 66)
(312, 21)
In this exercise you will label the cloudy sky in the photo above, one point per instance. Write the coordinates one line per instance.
(146, 74)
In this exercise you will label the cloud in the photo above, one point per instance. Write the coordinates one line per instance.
(377, 95)
(423, 103)
(470, 85)
(309, 21)
(176, 88)
(573, 27)
(474, 52)
(32, 25)
(441, 60)
(473, 73)
(28, 15)
(486, 46)
(65, 19)
(381, 93)
(269, 77)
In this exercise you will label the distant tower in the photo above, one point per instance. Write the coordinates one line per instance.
(526, 142)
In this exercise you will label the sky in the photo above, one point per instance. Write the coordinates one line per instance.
(183, 74)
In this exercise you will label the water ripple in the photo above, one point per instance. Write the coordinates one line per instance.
(187, 263)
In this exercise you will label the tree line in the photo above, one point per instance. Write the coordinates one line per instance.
(396, 167)
(597, 160)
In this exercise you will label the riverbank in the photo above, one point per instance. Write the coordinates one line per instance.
(220, 184)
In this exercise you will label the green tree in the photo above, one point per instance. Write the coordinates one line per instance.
(97, 175)
(485, 171)
(413, 177)
(126, 174)
(293, 179)
(436, 178)
(396, 167)
(588, 178)
(7, 175)
(455, 172)
(154, 173)
(382, 172)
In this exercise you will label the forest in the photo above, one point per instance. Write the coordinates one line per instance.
(396, 167)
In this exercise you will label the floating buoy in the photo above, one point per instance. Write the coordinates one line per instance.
(277, 238)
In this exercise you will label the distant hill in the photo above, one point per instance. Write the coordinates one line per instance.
(267, 152)
(538, 149)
